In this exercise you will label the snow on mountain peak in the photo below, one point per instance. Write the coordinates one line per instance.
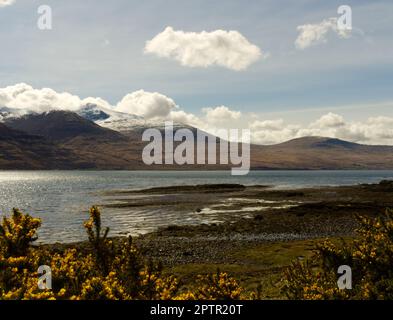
(104, 117)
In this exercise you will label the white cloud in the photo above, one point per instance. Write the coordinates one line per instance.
(313, 34)
(330, 120)
(28, 99)
(377, 130)
(381, 120)
(156, 106)
(4, 3)
(220, 114)
(272, 125)
(150, 105)
(228, 49)
(272, 131)
(24, 97)
(180, 116)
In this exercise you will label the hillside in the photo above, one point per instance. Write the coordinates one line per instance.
(80, 143)
(19, 150)
(321, 153)
(60, 126)
(66, 140)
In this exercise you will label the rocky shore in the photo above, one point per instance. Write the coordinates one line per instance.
(288, 215)
(260, 230)
(251, 215)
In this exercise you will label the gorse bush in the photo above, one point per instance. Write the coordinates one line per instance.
(219, 286)
(17, 233)
(104, 271)
(98, 238)
(370, 257)
(18, 261)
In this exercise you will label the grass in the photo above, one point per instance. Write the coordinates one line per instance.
(260, 266)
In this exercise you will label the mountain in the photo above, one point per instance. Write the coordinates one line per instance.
(93, 112)
(87, 143)
(125, 123)
(67, 140)
(321, 153)
(19, 150)
(9, 113)
(60, 126)
(6, 132)
(111, 119)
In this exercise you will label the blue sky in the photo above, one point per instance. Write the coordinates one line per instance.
(96, 48)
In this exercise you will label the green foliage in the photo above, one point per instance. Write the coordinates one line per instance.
(120, 272)
(17, 233)
(370, 258)
(105, 272)
(102, 247)
(218, 286)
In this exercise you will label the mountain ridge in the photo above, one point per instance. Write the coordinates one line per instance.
(59, 125)
(66, 140)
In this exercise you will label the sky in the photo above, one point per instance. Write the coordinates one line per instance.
(279, 67)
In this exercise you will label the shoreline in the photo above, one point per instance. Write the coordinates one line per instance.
(253, 214)
(258, 248)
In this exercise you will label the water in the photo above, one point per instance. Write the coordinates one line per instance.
(62, 198)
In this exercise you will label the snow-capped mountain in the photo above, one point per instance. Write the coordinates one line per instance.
(9, 113)
(111, 119)
(120, 121)
(93, 113)
(104, 117)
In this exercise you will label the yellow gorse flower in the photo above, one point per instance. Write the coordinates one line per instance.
(102, 271)
(370, 257)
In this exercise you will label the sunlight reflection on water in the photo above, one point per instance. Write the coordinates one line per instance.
(62, 198)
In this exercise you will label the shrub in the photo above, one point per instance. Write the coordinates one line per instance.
(218, 286)
(102, 247)
(370, 257)
(105, 272)
(17, 233)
